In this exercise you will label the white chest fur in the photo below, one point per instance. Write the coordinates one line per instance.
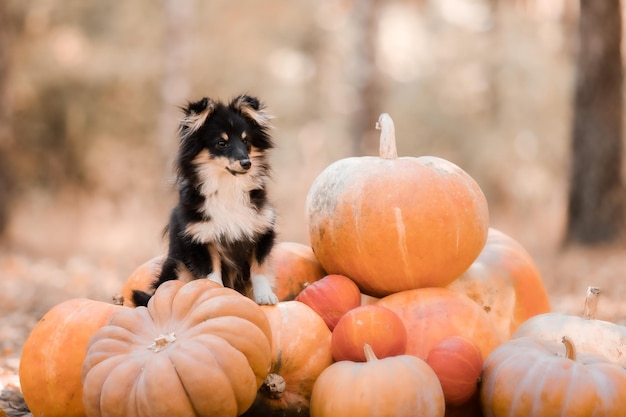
(227, 204)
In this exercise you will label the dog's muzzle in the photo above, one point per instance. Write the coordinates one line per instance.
(241, 168)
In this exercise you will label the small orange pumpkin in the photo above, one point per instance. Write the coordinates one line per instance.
(300, 352)
(52, 356)
(197, 349)
(398, 386)
(505, 281)
(295, 266)
(458, 364)
(394, 224)
(331, 297)
(141, 279)
(373, 325)
(432, 314)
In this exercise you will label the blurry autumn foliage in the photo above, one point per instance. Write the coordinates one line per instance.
(93, 90)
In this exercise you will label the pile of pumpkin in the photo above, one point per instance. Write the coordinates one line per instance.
(406, 303)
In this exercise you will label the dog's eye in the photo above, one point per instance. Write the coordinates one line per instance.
(222, 144)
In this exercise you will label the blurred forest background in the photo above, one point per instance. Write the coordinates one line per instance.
(90, 108)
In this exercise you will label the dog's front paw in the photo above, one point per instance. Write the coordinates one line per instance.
(266, 299)
(262, 291)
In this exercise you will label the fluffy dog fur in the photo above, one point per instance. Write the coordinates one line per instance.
(223, 225)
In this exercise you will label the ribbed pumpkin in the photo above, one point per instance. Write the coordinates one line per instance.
(197, 349)
(373, 325)
(300, 352)
(534, 377)
(53, 354)
(140, 279)
(295, 266)
(398, 386)
(393, 224)
(432, 314)
(506, 282)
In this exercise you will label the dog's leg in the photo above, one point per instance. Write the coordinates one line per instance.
(262, 275)
(262, 290)
(216, 274)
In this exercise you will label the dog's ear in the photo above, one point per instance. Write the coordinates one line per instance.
(196, 114)
(253, 109)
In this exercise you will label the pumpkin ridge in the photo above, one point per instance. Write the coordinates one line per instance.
(193, 352)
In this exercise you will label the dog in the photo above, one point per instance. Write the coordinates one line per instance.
(222, 227)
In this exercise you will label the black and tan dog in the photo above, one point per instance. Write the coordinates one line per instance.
(223, 225)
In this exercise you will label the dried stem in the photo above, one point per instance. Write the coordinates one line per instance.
(369, 353)
(388, 148)
(274, 386)
(162, 341)
(591, 303)
(570, 348)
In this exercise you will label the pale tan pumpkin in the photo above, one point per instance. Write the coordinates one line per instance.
(397, 386)
(198, 349)
(589, 334)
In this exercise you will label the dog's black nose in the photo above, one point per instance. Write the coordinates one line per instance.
(245, 163)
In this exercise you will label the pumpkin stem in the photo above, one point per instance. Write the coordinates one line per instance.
(274, 386)
(118, 299)
(570, 348)
(591, 303)
(370, 356)
(387, 148)
(162, 341)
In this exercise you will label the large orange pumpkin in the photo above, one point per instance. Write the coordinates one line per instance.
(53, 354)
(393, 224)
(433, 314)
(295, 267)
(197, 349)
(300, 352)
(397, 386)
(506, 282)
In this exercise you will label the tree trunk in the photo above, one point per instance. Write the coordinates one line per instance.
(596, 195)
(6, 178)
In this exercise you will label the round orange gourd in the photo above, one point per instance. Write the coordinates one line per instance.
(534, 377)
(300, 352)
(295, 266)
(432, 314)
(393, 224)
(458, 364)
(506, 282)
(141, 279)
(398, 386)
(53, 354)
(373, 325)
(197, 349)
(331, 297)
